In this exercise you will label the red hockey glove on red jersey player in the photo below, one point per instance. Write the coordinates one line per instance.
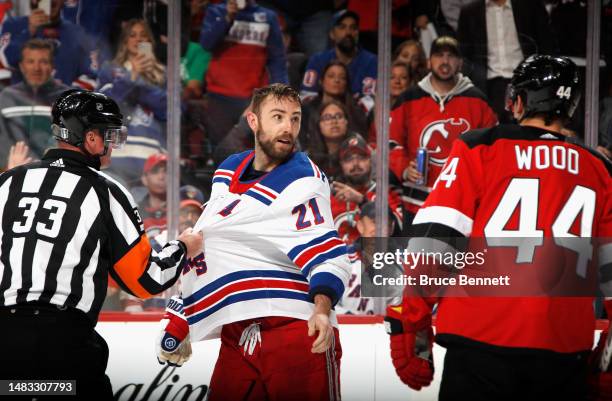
(411, 348)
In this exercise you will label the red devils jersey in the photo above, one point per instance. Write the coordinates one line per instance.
(420, 121)
(527, 182)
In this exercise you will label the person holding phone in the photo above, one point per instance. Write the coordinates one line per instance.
(39, 15)
(137, 81)
(75, 57)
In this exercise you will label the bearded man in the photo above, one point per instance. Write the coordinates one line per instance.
(432, 115)
(356, 186)
(362, 64)
(271, 269)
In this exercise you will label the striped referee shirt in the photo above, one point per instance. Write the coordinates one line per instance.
(65, 226)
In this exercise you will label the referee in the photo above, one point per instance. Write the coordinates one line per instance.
(64, 226)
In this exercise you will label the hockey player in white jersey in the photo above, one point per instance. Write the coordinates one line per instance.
(272, 270)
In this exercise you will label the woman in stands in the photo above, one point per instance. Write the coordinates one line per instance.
(325, 137)
(411, 52)
(137, 81)
(335, 85)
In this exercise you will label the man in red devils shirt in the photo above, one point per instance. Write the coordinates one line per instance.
(355, 187)
(432, 115)
(525, 180)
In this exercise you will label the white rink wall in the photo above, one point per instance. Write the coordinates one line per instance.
(367, 373)
(366, 370)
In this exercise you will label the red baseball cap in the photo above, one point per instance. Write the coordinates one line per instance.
(354, 144)
(154, 160)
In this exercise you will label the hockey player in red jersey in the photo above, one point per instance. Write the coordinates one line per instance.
(498, 182)
(431, 115)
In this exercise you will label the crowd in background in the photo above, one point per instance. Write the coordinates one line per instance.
(451, 63)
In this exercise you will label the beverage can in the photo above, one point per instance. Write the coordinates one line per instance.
(422, 161)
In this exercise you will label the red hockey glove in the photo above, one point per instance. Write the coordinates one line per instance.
(173, 345)
(411, 348)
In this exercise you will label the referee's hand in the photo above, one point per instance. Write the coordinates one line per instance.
(193, 241)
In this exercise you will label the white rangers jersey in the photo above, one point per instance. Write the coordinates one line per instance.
(270, 246)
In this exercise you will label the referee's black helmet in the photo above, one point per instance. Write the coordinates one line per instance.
(76, 112)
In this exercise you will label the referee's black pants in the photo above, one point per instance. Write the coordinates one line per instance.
(43, 342)
(474, 374)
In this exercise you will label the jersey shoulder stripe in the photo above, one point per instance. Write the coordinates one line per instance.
(262, 193)
(226, 170)
(223, 176)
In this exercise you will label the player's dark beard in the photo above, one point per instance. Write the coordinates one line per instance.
(268, 147)
(347, 45)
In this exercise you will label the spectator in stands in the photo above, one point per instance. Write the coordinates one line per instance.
(136, 81)
(335, 85)
(411, 52)
(361, 63)
(309, 21)
(190, 209)
(296, 59)
(6, 8)
(197, 11)
(323, 140)
(432, 115)
(17, 156)
(451, 10)
(96, 18)
(192, 201)
(400, 81)
(355, 186)
(496, 35)
(25, 107)
(194, 64)
(352, 303)
(75, 57)
(153, 206)
(429, 16)
(247, 53)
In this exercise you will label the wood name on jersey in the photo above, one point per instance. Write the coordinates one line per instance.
(543, 157)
